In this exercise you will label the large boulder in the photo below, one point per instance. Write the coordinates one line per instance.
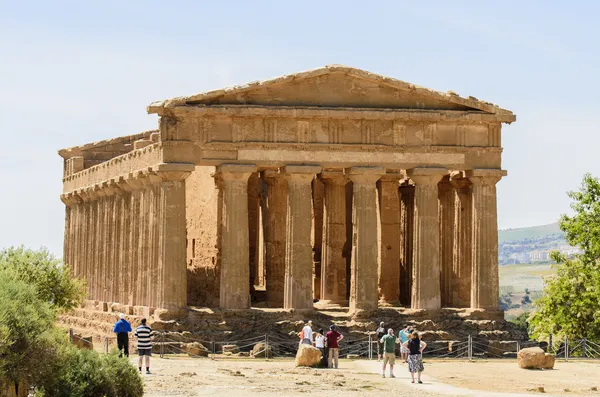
(259, 350)
(531, 358)
(195, 349)
(308, 356)
(548, 361)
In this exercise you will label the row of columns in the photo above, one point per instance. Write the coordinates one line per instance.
(461, 209)
(127, 237)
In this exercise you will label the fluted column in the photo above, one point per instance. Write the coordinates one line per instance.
(426, 257)
(446, 233)
(333, 262)
(389, 215)
(363, 283)
(134, 184)
(235, 251)
(484, 270)
(461, 261)
(298, 292)
(274, 218)
(170, 239)
(124, 256)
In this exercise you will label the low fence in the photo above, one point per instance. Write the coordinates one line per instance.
(277, 346)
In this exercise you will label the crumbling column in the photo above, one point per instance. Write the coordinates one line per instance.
(426, 257)
(407, 210)
(298, 258)
(171, 269)
(363, 284)
(235, 251)
(389, 215)
(461, 261)
(484, 270)
(274, 218)
(446, 233)
(333, 263)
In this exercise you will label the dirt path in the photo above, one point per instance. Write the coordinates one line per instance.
(247, 377)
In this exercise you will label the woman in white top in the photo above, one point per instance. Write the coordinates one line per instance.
(320, 344)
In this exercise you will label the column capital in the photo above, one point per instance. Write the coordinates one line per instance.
(333, 177)
(365, 175)
(235, 172)
(426, 175)
(301, 173)
(485, 176)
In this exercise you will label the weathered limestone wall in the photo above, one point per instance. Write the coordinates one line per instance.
(203, 255)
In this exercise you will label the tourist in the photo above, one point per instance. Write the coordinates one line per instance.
(144, 344)
(320, 344)
(388, 342)
(307, 335)
(404, 334)
(380, 334)
(333, 346)
(415, 348)
(122, 328)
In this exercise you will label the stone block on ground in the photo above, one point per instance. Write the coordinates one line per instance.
(83, 342)
(233, 349)
(196, 349)
(548, 361)
(308, 356)
(259, 350)
(531, 358)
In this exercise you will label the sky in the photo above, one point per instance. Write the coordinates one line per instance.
(73, 72)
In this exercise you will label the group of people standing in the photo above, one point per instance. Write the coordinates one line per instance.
(143, 333)
(328, 343)
(411, 350)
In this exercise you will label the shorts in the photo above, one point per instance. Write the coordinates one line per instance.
(389, 357)
(379, 347)
(145, 352)
(404, 350)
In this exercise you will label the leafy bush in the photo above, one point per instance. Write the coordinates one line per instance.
(46, 273)
(27, 334)
(85, 373)
(521, 322)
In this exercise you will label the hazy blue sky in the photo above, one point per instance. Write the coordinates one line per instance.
(77, 72)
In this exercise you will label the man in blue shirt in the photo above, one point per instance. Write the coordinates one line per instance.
(404, 334)
(122, 328)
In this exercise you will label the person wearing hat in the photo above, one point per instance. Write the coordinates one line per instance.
(122, 328)
(381, 332)
(333, 339)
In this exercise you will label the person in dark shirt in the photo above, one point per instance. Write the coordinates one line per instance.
(333, 339)
(144, 344)
(415, 348)
(122, 328)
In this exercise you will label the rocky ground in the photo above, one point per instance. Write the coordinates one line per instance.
(249, 377)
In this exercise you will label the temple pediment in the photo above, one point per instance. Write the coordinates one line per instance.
(334, 86)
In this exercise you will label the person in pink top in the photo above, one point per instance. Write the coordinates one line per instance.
(333, 339)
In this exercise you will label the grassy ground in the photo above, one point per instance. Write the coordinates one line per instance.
(514, 279)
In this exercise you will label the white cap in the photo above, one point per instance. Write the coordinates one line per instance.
(121, 316)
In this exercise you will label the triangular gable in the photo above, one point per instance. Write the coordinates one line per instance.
(334, 86)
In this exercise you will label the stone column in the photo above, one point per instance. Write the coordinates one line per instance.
(446, 233)
(426, 257)
(124, 256)
(333, 263)
(363, 283)
(253, 229)
(389, 215)
(484, 270)
(171, 267)
(275, 216)
(298, 292)
(461, 261)
(235, 251)
(407, 211)
(318, 190)
(133, 287)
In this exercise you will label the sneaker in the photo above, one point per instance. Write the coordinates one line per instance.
(420, 382)
(392, 376)
(148, 372)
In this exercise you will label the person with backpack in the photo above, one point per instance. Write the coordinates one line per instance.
(380, 334)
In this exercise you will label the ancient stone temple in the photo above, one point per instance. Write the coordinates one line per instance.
(335, 186)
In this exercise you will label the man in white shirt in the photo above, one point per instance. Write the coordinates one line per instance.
(307, 334)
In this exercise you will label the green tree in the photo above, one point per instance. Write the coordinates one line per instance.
(27, 333)
(571, 298)
(50, 277)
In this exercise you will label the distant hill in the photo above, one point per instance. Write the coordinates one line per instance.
(533, 232)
